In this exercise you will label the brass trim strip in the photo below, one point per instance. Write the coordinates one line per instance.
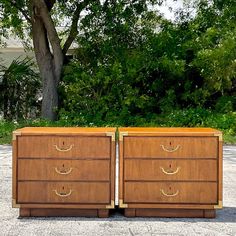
(14, 204)
(219, 135)
(122, 204)
(122, 134)
(219, 206)
(14, 134)
(112, 135)
(111, 206)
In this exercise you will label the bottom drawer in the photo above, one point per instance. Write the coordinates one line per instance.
(170, 192)
(63, 192)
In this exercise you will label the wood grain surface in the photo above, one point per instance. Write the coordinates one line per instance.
(63, 170)
(170, 147)
(46, 192)
(186, 192)
(171, 169)
(63, 147)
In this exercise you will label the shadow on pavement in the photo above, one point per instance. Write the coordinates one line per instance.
(227, 214)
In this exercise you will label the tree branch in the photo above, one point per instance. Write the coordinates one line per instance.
(43, 13)
(49, 4)
(23, 12)
(74, 25)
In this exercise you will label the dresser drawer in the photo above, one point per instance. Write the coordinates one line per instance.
(170, 147)
(63, 192)
(48, 169)
(171, 169)
(63, 147)
(170, 192)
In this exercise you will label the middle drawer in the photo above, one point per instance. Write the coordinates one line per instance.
(61, 170)
(185, 170)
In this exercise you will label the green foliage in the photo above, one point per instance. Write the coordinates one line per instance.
(179, 118)
(135, 68)
(7, 127)
(128, 73)
(225, 104)
(12, 21)
(19, 85)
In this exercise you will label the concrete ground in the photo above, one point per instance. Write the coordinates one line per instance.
(224, 224)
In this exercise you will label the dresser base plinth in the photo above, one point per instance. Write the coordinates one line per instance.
(194, 213)
(59, 212)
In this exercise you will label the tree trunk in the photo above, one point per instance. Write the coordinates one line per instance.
(49, 60)
(47, 73)
(50, 90)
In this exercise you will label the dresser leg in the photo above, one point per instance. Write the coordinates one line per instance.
(103, 213)
(209, 213)
(24, 212)
(130, 212)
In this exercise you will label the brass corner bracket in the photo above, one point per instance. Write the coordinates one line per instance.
(122, 204)
(14, 134)
(14, 204)
(219, 135)
(219, 206)
(112, 206)
(122, 134)
(112, 135)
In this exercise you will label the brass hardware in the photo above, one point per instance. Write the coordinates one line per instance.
(112, 206)
(219, 206)
(169, 195)
(63, 194)
(170, 149)
(14, 134)
(122, 134)
(112, 134)
(219, 135)
(170, 172)
(63, 172)
(63, 150)
(122, 204)
(14, 204)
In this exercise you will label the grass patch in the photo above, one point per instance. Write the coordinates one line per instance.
(229, 139)
(179, 118)
(6, 127)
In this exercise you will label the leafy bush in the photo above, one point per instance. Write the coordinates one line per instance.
(19, 85)
(226, 104)
(7, 127)
(180, 118)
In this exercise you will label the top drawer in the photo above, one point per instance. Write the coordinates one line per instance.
(63, 146)
(170, 147)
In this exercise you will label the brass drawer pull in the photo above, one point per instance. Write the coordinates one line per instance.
(63, 172)
(64, 149)
(63, 194)
(170, 172)
(169, 195)
(170, 149)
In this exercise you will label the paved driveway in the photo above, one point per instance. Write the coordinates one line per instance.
(224, 224)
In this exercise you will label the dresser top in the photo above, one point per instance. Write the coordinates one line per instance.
(65, 130)
(171, 130)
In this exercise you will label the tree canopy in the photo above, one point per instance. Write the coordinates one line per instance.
(130, 61)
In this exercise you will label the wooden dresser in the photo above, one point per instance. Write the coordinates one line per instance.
(64, 171)
(170, 172)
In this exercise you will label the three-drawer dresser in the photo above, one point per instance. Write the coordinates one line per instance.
(64, 171)
(170, 172)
